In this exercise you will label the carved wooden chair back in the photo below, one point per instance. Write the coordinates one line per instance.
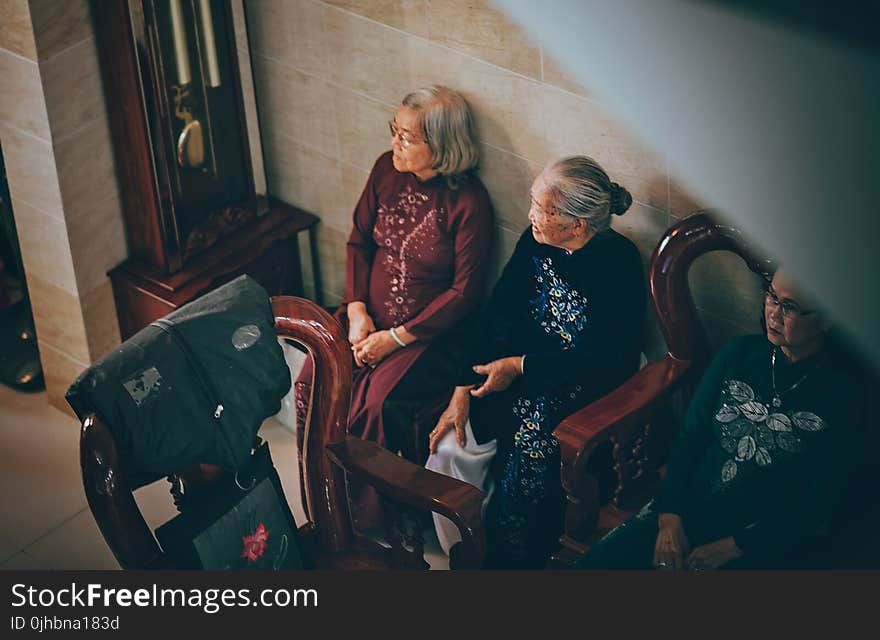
(328, 453)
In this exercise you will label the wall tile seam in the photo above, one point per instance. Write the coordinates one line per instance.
(42, 100)
(35, 208)
(52, 282)
(426, 5)
(326, 81)
(68, 48)
(508, 152)
(447, 48)
(49, 532)
(344, 164)
(370, 168)
(305, 145)
(69, 135)
(352, 165)
(504, 227)
(335, 113)
(78, 292)
(113, 195)
(332, 83)
(664, 212)
(42, 343)
(18, 55)
(5, 561)
(87, 292)
(75, 291)
(25, 133)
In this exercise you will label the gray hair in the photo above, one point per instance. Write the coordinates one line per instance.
(580, 188)
(449, 130)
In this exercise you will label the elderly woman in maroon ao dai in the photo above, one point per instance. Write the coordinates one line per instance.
(416, 264)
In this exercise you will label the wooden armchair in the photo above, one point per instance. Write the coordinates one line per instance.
(630, 417)
(407, 491)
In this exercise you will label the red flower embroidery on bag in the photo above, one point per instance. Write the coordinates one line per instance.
(255, 544)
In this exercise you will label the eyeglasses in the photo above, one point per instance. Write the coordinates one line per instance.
(548, 213)
(789, 309)
(406, 139)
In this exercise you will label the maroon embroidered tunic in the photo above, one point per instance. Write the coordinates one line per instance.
(417, 258)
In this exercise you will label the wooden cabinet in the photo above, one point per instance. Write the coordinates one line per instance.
(268, 251)
(182, 113)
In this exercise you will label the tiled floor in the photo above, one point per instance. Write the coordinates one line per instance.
(46, 521)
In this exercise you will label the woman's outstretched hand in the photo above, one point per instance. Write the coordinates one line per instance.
(454, 417)
(501, 373)
(672, 545)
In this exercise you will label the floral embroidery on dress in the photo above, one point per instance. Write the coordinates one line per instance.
(528, 467)
(402, 234)
(753, 432)
(558, 308)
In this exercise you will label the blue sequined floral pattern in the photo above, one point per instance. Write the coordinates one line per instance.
(558, 308)
(529, 468)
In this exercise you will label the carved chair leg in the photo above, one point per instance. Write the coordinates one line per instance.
(403, 531)
(581, 512)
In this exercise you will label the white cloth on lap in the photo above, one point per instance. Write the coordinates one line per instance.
(470, 464)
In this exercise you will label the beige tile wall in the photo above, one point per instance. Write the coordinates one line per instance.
(56, 146)
(329, 74)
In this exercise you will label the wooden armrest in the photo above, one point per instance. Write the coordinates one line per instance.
(630, 403)
(111, 501)
(413, 485)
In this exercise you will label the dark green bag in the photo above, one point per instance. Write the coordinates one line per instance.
(193, 387)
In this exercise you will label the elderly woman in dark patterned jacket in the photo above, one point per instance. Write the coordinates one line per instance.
(563, 326)
(768, 440)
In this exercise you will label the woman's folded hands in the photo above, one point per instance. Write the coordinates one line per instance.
(374, 348)
(672, 549)
(672, 546)
(360, 325)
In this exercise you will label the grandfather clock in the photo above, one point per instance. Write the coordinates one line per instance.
(188, 158)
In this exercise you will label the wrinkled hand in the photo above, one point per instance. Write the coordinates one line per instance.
(500, 374)
(374, 348)
(672, 545)
(360, 325)
(713, 555)
(454, 417)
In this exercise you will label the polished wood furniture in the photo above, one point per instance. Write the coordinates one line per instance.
(173, 208)
(408, 492)
(268, 251)
(189, 160)
(634, 419)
